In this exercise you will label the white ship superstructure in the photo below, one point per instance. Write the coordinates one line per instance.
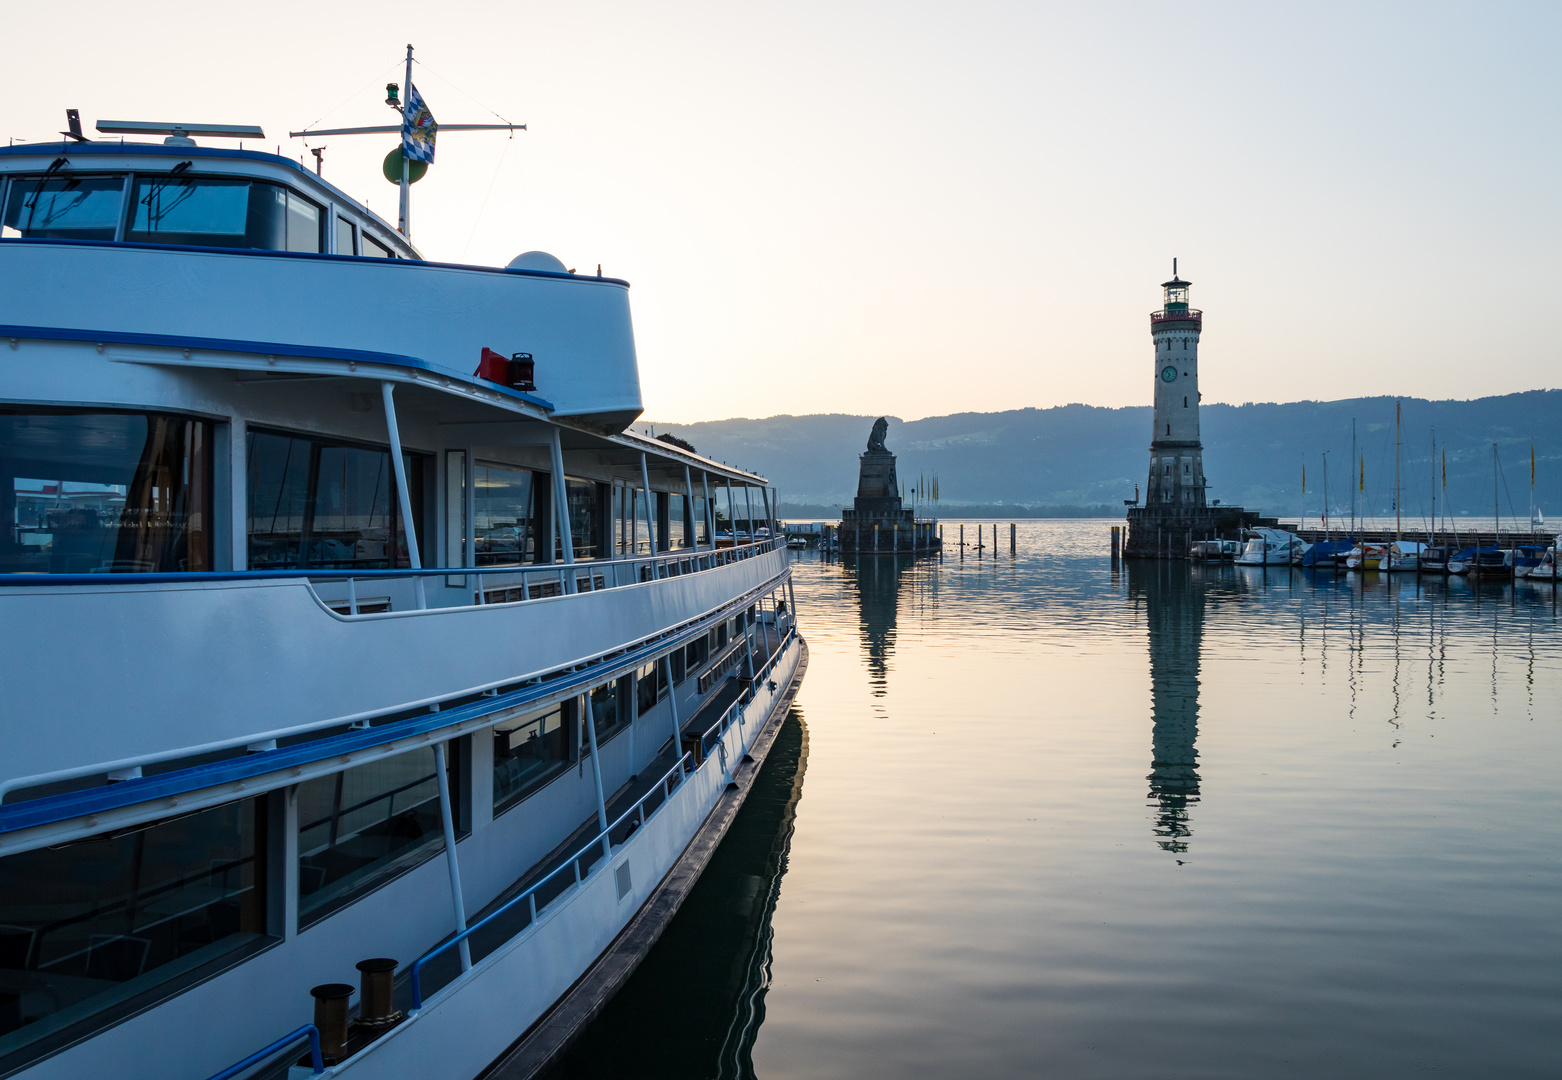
(320, 647)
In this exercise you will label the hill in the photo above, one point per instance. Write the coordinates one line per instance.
(1081, 455)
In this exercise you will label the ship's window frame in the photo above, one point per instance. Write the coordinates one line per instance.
(416, 465)
(195, 450)
(257, 918)
(352, 234)
(381, 250)
(9, 180)
(381, 870)
(511, 735)
(283, 219)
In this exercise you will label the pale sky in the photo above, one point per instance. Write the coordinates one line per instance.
(920, 209)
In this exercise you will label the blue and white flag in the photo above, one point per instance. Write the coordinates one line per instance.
(417, 128)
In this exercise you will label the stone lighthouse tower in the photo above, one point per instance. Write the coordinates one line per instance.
(1176, 454)
(1175, 514)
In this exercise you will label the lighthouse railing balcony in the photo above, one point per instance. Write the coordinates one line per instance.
(1183, 315)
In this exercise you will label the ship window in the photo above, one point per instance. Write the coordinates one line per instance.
(505, 515)
(211, 212)
(374, 248)
(629, 531)
(650, 686)
(360, 827)
(104, 492)
(93, 931)
(585, 517)
(678, 660)
(696, 652)
(528, 753)
(609, 707)
(64, 208)
(344, 237)
(322, 504)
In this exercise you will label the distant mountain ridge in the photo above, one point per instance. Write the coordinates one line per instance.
(1080, 455)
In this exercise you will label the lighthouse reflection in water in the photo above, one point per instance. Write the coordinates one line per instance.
(1065, 819)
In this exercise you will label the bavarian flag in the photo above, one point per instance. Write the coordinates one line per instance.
(417, 128)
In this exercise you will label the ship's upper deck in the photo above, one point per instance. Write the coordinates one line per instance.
(179, 245)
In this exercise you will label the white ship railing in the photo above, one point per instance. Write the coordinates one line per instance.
(535, 582)
(603, 839)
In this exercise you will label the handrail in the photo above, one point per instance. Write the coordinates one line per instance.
(530, 893)
(317, 1063)
(722, 555)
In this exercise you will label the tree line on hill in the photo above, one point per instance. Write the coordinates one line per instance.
(1079, 460)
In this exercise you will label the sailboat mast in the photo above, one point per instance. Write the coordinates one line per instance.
(1431, 533)
(1496, 509)
(1396, 472)
(1326, 535)
(406, 166)
(1353, 478)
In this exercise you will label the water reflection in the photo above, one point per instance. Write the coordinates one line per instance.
(1173, 604)
(694, 1006)
(877, 582)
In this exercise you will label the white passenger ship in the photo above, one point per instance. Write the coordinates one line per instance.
(320, 648)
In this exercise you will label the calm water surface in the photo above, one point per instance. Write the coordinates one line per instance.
(1036, 817)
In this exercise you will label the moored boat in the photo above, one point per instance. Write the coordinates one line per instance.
(399, 671)
(1265, 546)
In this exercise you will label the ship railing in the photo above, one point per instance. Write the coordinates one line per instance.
(361, 593)
(566, 876)
(734, 713)
(570, 875)
(316, 1062)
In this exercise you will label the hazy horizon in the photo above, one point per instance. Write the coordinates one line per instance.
(918, 210)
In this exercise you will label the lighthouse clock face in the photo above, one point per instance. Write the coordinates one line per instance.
(1168, 374)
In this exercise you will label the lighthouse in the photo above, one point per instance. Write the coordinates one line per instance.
(1175, 513)
(1176, 454)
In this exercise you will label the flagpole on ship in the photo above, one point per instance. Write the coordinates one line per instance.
(405, 224)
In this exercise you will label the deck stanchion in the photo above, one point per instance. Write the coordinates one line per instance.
(561, 508)
(448, 821)
(672, 702)
(596, 773)
(688, 487)
(387, 392)
(650, 528)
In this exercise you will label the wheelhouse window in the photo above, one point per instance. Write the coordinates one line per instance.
(64, 208)
(322, 504)
(104, 492)
(528, 753)
(361, 827)
(344, 237)
(505, 514)
(216, 212)
(95, 930)
(373, 248)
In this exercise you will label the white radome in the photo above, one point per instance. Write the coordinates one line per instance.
(537, 260)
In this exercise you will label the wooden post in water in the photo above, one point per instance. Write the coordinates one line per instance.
(962, 543)
(1116, 542)
(1011, 538)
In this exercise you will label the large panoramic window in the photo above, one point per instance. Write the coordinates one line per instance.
(212, 212)
(94, 930)
(64, 208)
(104, 492)
(360, 827)
(504, 512)
(319, 504)
(528, 753)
